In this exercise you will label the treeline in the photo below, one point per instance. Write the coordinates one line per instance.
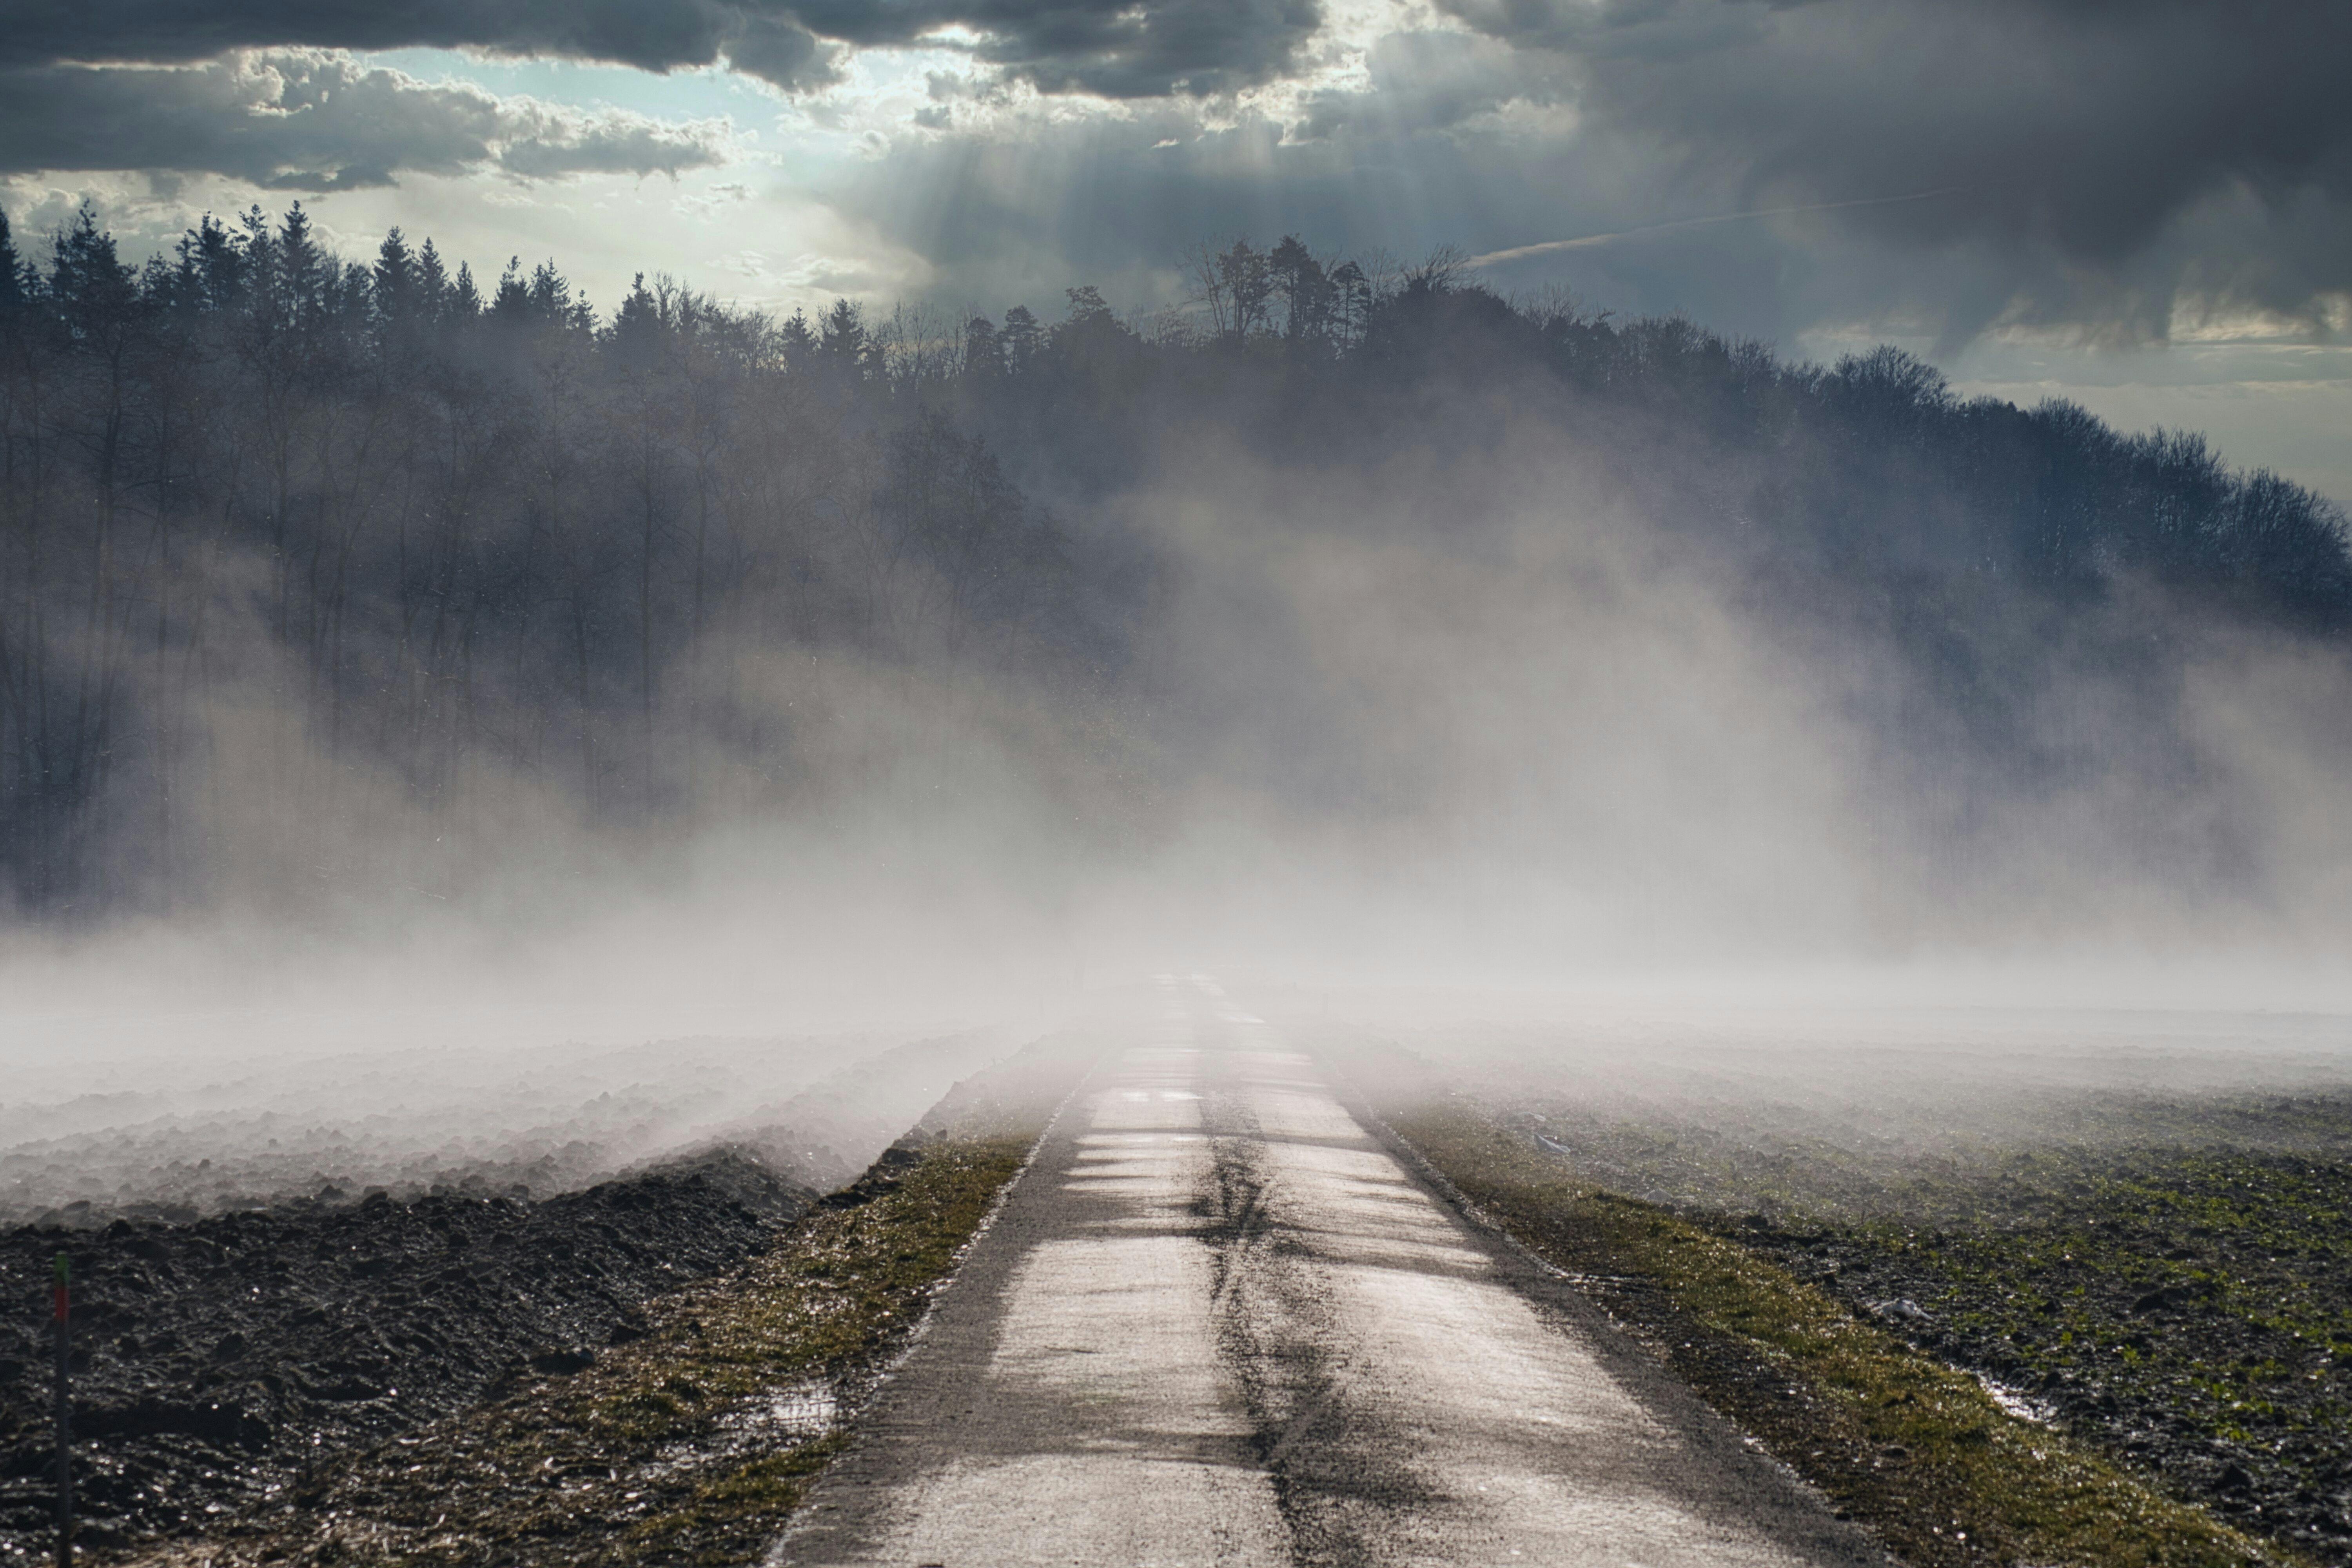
(275, 526)
(395, 522)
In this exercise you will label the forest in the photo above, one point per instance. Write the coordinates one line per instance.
(294, 546)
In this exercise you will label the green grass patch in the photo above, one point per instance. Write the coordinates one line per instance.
(2204, 1295)
(2169, 1273)
(1916, 1452)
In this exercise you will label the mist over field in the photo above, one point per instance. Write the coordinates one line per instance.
(400, 662)
(1333, 781)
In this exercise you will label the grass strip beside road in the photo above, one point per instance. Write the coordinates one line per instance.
(1919, 1454)
(691, 1444)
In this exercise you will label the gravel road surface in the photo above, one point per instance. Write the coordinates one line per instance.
(1218, 1322)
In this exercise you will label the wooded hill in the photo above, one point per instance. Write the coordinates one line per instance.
(287, 538)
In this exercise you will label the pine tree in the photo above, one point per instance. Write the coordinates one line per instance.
(299, 265)
(87, 279)
(13, 280)
(211, 272)
(798, 343)
(639, 324)
(511, 302)
(258, 247)
(844, 338)
(432, 284)
(392, 284)
(465, 300)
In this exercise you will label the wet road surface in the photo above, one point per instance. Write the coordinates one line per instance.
(1218, 1323)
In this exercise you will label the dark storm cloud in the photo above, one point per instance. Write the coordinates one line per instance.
(2107, 167)
(660, 34)
(1117, 48)
(2157, 144)
(1423, 80)
(303, 120)
(2089, 164)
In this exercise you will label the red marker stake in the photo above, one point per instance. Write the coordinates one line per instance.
(64, 1420)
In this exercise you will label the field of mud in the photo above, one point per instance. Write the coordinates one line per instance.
(214, 1363)
(222, 1358)
(692, 1436)
(2160, 1262)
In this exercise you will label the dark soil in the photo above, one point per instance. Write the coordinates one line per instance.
(2169, 1277)
(693, 1442)
(215, 1363)
(691, 1445)
(1919, 1454)
(220, 1361)
(2189, 1310)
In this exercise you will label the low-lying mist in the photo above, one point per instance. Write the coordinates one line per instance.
(233, 1131)
(436, 701)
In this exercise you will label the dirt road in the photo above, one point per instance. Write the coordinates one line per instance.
(1219, 1323)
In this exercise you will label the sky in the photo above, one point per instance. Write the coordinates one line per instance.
(2144, 205)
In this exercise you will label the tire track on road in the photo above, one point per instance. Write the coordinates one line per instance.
(1220, 1324)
